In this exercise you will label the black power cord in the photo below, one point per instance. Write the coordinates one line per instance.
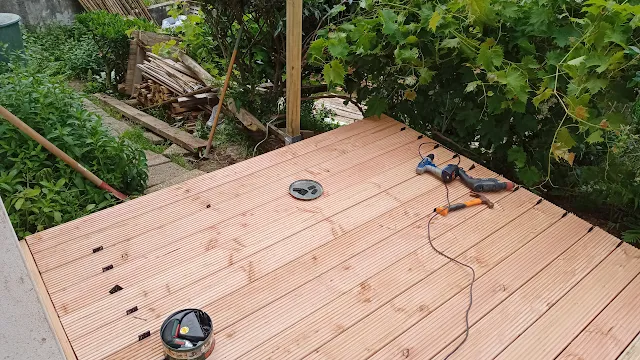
(473, 271)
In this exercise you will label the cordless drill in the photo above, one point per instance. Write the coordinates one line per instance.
(451, 172)
(447, 175)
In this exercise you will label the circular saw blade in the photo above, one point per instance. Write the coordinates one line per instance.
(306, 190)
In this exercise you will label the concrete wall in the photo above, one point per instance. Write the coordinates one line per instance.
(25, 333)
(36, 12)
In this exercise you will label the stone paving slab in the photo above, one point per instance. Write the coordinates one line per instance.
(177, 180)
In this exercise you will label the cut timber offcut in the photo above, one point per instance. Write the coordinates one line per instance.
(157, 126)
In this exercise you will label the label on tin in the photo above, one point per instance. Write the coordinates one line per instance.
(184, 330)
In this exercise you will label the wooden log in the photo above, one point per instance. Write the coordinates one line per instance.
(157, 126)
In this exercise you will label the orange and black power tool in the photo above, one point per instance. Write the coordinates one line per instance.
(484, 185)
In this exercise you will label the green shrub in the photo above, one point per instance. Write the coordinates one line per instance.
(539, 90)
(63, 50)
(110, 32)
(39, 190)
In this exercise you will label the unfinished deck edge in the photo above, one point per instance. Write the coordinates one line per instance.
(49, 310)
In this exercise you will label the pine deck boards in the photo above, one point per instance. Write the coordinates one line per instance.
(347, 276)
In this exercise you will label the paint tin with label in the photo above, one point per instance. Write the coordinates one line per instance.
(187, 335)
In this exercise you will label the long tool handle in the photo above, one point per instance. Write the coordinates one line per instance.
(223, 93)
(59, 153)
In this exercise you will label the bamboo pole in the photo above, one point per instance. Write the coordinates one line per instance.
(223, 93)
(59, 153)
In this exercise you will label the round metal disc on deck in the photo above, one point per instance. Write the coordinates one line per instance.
(306, 190)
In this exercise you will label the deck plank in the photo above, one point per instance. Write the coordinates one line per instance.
(349, 233)
(363, 284)
(348, 276)
(490, 336)
(92, 289)
(245, 207)
(633, 351)
(191, 273)
(118, 214)
(446, 323)
(611, 332)
(254, 240)
(250, 186)
(555, 330)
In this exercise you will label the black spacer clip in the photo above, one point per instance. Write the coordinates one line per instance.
(107, 268)
(99, 248)
(144, 335)
(539, 201)
(132, 310)
(115, 289)
(403, 128)
(420, 137)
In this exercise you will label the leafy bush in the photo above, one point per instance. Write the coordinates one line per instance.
(39, 190)
(538, 90)
(110, 32)
(63, 50)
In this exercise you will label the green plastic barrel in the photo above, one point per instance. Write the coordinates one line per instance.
(10, 34)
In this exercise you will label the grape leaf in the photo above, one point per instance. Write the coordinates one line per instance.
(450, 43)
(411, 39)
(406, 56)
(376, 105)
(433, 23)
(595, 137)
(564, 138)
(566, 35)
(389, 21)
(490, 57)
(334, 73)
(529, 175)
(425, 76)
(338, 47)
(472, 86)
(542, 96)
(517, 156)
(337, 9)
(316, 50)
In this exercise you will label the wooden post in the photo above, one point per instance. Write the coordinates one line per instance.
(294, 69)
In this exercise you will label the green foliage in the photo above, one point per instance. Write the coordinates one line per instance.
(315, 119)
(111, 33)
(538, 90)
(39, 190)
(63, 50)
(135, 135)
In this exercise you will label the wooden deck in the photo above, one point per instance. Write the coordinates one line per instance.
(347, 276)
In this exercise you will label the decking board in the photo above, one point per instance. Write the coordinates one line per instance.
(76, 296)
(117, 214)
(612, 331)
(347, 276)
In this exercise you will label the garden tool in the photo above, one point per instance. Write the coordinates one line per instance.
(479, 200)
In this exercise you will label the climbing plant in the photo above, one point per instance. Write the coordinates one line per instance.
(540, 90)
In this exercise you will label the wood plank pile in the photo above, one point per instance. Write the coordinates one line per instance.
(135, 8)
(165, 80)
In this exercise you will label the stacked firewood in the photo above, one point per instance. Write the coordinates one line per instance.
(173, 75)
(173, 84)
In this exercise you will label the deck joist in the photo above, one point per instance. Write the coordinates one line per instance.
(347, 276)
